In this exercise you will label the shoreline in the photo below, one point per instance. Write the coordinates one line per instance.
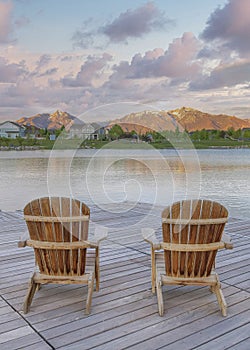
(30, 148)
(75, 144)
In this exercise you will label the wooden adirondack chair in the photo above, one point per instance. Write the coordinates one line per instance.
(192, 234)
(58, 230)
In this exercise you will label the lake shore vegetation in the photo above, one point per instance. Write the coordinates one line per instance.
(117, 138)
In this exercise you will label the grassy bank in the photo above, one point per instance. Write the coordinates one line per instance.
(221, 143)
(21, 144)
(24, 144)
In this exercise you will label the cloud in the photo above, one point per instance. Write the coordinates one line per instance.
(135, 23)
(130, 24)
(49, 72)
(10, 72)
(43, 61)
(150, 77)
(178, 61)
(5, 22)
(83, 39)
(69, 58)
(230, 25)
(80, 86)
(224, 76)
(85, 36)
(90, 70)
(27, 95)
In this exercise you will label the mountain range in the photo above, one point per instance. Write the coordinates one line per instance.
(52, 121)
(185, 117)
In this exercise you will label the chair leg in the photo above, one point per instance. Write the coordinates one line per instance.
(221, 299)
(153, 270)
(212, 290)
(159, 296)
(97, 271)
(31, 292)
(90, 292)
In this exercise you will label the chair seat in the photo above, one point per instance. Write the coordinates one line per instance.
(73, 278)
(181, 280)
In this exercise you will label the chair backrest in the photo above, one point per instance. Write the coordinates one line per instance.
(189, 223)
(58, 219)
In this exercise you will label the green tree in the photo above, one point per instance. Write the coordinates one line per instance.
(203, 134)
(59, 131)
(214, 135)
(246, 134)
(44, 133)
(230, 131)
(115, 132)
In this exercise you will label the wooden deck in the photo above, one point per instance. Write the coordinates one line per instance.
(124, 312)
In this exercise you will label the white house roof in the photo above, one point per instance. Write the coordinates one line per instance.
(10, 122)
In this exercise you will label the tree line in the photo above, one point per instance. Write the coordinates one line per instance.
(116, 132)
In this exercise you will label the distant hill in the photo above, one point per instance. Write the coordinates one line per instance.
(48, 121)
(145, 121)
(187, 118)
(192, 119)
(142, 122)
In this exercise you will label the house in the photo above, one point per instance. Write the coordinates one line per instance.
(52, 137)
(85, 131)
(32, 131)
(11, 130)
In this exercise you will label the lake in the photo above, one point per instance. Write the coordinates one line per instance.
(113, 176)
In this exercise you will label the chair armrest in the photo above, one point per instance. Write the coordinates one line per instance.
(100, 234)
(149, 236)
(23, 240)
(226, 239)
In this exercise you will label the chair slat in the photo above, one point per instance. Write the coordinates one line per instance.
(184, 236)
(52, 246)
(51, 256)
(56, 219)
(36, 233)
(201, 247)
(58, 231)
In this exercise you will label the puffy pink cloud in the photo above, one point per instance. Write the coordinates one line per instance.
(154, 54)
(224, 76)
(5, 21)
(90, 70)
(231, 25)
(178, 61)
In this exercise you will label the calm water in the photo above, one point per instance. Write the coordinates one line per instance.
(158, 177)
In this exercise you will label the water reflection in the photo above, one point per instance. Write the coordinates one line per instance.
(142, 176)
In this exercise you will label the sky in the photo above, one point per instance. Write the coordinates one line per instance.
(100, 60)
